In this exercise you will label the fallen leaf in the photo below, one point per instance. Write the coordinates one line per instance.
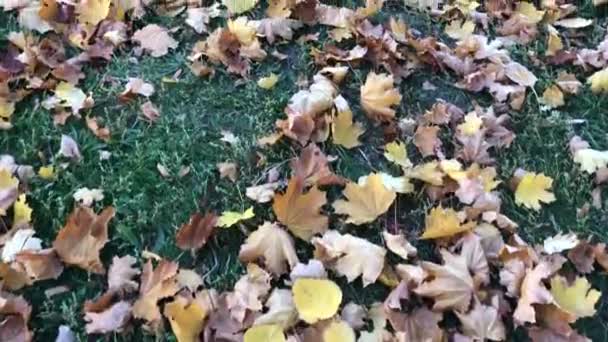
(452, 286)
(273, 244)
(268, 82)
(69, 148)
(583, 257)
(155, 39)
(281, 310)
(345, 132)
(471, 125)
(92, 12)
(599, 81)
(46, 172)
(533, 291)
(230, 218)
(365, 202)
(396, 152)
(350, 256)
(559, 243)
(22, 212)
(426, 140)
(82, 238)
(574, 23)
(137, 86)
(339, 331)
(378, 95)
(121, 274)
(532, 189)
(262, 193)
(591, 160)
(265, 332)
(313, 269)
(22, 240)
(440, 223)
(460, 29)
(578, 298)
(553, 97)
(87, 197)
(149, 111)
(397, 244)
(482, 323)
(199, 17)
(568, 83)
(156, 284)
(239, 6)
(8, 190)
(316, 299)
(354, 315)
(112, 319)
(71, 96)
(520, 74)
(249, 292)
(186, 318)
(39, 264)
(228, 170)
(313, 167)
(299, 211)
(195, 234)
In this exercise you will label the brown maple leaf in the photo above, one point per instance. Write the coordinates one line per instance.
(299, 211)
(82, 238)
(313, 167)
(156, 284)
(195, 234)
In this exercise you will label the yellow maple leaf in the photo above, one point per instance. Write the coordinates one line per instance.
(186, 319)
(533, 189)
(395, 152)
(6, 111)
(365, 201)
(268, 82)
(338, 331)
(71, 96)
(92, 12)
(460, 29)
(442, 222)
(529, 12)
(427, 172)
(591, 160)
(577, 298)
(241, 29)
(378, 94)
(46, 172)
(300, 211)
(239, 6)
(554, 41)
(599, 81)
(230, 218)
(553, 97)
(22, 213)
(471, 125)
(344, 131)
(316, 299)
(264, 333)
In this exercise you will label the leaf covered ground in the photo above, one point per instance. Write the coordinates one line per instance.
(303, 170)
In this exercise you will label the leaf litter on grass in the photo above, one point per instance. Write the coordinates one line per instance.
(482, 272)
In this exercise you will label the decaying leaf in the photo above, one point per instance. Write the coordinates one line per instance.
(156, 284)
(82, 238)
(299, 211)
(155, 39)
(365, 202)
(273, 244)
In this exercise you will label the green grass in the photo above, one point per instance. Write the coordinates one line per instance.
(194, 112)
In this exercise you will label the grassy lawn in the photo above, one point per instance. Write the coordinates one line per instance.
(195, 111)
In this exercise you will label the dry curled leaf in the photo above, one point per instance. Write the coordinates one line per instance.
(156, 284)
(82, 238)
(273, 244)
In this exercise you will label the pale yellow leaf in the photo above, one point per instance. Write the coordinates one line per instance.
(365, 202)
(532, 189)
(577, 298)
(230, 218)
(268, 82)
(316, 299)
